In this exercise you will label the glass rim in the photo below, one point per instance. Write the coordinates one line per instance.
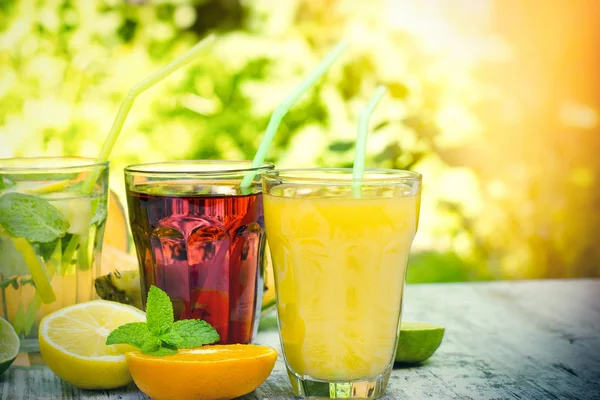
(45, 164)
(237, 167)
(343, 175)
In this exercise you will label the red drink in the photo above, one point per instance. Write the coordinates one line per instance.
(203, 243)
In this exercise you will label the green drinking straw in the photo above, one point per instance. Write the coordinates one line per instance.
(284, 107)
(114, 132)
(127, 103)
(361, 140)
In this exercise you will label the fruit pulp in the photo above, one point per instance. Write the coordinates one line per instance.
(340, 266)
(204, 246)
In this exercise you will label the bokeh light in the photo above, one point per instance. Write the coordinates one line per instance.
(496, 102)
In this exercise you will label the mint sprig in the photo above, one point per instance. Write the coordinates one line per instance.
(190, 333)
(160, 335)
(134, 333)
(32, 218)
(159, 312)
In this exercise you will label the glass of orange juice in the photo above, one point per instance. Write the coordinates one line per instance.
(340, 250)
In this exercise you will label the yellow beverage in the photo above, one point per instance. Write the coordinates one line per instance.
(340, 265)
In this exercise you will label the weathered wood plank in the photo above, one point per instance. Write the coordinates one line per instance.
(512, 339)
(504, 340)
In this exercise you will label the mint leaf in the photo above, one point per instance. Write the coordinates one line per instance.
(10, 281)
(154, 347)
(12, 261)
(190, 333)
(31, 218)
(159, 312)
(159, 336)
(46, 250)
(99, 207)
(134, 333)
(162, 351)
(151, 344)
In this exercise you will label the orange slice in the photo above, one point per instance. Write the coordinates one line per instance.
(208, 372)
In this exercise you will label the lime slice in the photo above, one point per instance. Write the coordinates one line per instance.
(418, 341)
(268, 322)
(9, 345)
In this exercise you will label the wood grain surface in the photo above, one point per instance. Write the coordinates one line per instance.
(504, 340)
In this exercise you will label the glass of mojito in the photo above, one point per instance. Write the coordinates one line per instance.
(52, 218)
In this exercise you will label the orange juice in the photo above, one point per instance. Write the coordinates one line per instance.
(340, 265)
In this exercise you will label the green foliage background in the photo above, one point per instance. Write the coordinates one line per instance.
(65, 65)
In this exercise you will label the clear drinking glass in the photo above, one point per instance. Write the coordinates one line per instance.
(51, 230)
(339, 251)
(200, 237)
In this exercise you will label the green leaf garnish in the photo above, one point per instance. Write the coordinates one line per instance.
(160, 336)
(8, 282)
(134, 333)
(162, 351)
(12, 261)
(151, 345)
(46, 250)
(32, 218)
(159, 311)
(190, 333)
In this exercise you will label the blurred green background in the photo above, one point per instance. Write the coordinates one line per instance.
(494, 102)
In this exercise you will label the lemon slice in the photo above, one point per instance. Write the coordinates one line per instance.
(37, 270)
(72, 343)
(49, 187)
(417, 341)
(77, 210)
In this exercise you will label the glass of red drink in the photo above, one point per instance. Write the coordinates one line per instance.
(200, 237)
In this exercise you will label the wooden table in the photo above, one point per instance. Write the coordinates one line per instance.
(504, 340)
